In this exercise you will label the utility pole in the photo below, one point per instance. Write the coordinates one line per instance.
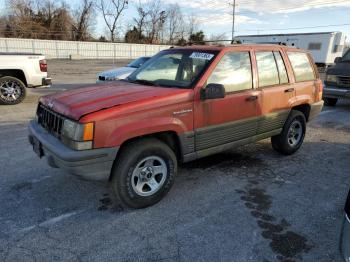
(233, 20)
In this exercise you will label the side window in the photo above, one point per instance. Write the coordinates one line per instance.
(281, 68)
(234, 71)
(267, 69)
(302, 68)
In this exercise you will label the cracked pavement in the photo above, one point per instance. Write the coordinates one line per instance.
(247, 204)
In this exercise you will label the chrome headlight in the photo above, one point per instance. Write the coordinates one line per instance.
(76, 135)
(331, 78)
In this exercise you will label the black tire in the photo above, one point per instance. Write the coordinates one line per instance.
(124, 180)
(328, 101)
(285, 143)
(18, 95)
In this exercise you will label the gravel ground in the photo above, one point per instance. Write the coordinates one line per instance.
(248, 204)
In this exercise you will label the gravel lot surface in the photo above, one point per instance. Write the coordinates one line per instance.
(248, 204)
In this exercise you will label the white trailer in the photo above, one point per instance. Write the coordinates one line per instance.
(324, 47)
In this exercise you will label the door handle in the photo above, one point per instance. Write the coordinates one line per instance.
(251, 98)
(289, 90)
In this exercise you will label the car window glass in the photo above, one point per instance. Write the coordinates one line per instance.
(234, 72)
(302, 68)
(346, 57)
(165, 68)
(267, 69)
(281, 68)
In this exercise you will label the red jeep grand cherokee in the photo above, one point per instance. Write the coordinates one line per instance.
(183, 104)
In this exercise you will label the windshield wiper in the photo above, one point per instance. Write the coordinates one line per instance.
(143, 82)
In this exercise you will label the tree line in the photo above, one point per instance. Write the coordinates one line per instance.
(152, 23)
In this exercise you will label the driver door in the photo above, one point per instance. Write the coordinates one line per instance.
(222, 123)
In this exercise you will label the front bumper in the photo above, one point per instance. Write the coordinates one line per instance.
(94, 164)
(345, 239)
(336, 92)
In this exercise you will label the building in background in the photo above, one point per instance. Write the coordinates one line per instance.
(324, 46)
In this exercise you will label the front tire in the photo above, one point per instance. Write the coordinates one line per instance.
(144, 173)
(328, 101)
(292, 136)
(12, 90)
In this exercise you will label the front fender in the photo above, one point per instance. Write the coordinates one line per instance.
(144, 127)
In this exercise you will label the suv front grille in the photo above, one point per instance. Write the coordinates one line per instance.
(50, 120)
(347, 206)
(344, 80)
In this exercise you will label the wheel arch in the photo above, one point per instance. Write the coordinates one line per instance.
(17, 73)
(304, 108)
(170, 138)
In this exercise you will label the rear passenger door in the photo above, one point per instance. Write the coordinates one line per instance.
(276, 92)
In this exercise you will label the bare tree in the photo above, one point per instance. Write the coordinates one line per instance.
(157, 17)
(192, 25)
(82, 20)
(111, 11)
(175, 20)
(217, 38)
(141, 19)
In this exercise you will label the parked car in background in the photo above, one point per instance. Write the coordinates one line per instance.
(183, 104)
(345, 235)
(19, 71)
(337, 83)
(122, 72)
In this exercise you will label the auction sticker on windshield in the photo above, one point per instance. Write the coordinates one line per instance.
(198, 55)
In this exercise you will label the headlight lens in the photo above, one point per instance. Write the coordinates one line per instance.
(111, 78)
(77, 136)
(331, 78)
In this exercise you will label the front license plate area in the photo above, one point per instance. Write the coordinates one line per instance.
(38, 148)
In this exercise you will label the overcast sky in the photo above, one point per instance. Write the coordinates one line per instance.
(256, 16)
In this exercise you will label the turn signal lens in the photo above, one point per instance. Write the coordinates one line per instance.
(88, 133)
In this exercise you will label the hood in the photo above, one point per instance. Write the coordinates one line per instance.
(342, 68)
(118, 72)
(82, 101)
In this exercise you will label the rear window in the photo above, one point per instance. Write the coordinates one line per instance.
(302, 68)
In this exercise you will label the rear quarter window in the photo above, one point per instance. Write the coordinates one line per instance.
(303, 70)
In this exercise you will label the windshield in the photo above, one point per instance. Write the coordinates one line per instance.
(138, 62)
(346, 57)
(173, 68)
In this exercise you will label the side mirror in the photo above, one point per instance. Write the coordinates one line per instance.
(338, 60)
(213, 91)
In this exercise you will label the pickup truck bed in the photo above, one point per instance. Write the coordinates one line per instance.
(19, 71)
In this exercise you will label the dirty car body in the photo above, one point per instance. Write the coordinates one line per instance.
(185, 103)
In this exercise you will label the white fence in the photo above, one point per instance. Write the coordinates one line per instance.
(53, 49)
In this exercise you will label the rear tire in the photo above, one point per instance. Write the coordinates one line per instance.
(143, 173)
(12, 90)
(328, 101)
(292, 136)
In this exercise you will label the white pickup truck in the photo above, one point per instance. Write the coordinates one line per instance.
(19, 71)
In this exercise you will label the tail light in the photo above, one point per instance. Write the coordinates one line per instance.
(43, 65)
(318, 90)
